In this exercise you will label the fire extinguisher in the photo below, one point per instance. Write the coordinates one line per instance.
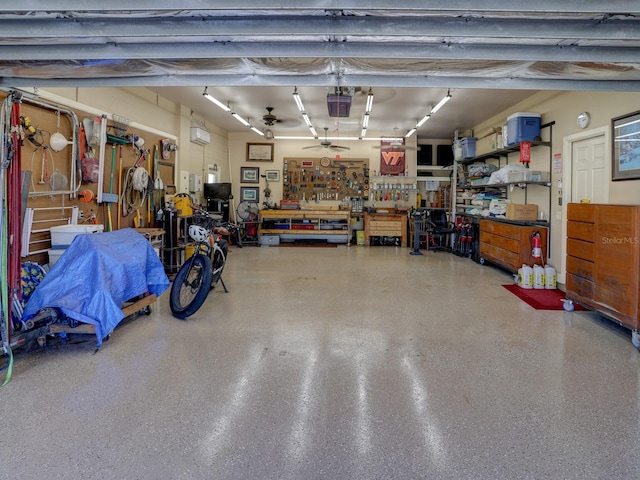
(536, 244)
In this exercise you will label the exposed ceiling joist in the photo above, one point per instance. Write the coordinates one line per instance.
(523, 6)
(77, 29)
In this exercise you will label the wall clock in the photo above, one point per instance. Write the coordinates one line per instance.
(325, 161)
(583, 120)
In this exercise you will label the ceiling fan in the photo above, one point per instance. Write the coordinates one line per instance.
(327, 144)
(270, 120)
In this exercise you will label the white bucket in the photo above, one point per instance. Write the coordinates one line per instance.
(538, 277)
(550, 281)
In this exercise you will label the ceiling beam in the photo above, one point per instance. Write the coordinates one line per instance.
(525, 6)
(337, 50)
(39, 30)
(396, 81)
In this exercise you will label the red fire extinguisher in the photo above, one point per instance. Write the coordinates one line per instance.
(536, 244)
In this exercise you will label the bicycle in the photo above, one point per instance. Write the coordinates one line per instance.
(203, 270)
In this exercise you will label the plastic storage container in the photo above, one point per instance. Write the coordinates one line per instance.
(54, 255)
(523, 127)
(63, 235)
(468, 147)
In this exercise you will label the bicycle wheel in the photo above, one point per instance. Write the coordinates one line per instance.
(189, 291)
(219, 260)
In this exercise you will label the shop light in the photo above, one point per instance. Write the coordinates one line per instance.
(313, 131)
(410, 132)
(211, 98)
(423, 120)
(240, 119)
(259, 132)
(296, 97)
(441, 103)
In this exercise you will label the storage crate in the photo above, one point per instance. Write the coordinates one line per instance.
(468, 147)
(518, 176)
(523, 127)
(63, 235)
(55, 254)
(538, 176)
(269, 240)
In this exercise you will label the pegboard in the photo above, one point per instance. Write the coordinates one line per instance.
(45, 197)
(325, 178)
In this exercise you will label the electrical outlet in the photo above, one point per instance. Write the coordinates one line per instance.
(80, 214)
(558, 215)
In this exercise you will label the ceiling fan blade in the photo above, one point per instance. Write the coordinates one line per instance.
(339, 147)
(312, 146)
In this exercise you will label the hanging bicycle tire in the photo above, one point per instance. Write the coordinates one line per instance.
(190, 287)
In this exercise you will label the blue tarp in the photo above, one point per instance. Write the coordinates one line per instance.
(96, 275)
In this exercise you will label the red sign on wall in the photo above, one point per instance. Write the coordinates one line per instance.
(392, 160)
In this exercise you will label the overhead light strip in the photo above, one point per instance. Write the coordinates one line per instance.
(441, 103)
(211, 98)
(227, 109)
(367, 112)
(300, 105)
(426, 118)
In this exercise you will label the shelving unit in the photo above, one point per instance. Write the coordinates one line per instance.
(331, 226)
(499, 155)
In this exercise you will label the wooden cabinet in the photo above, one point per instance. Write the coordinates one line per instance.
(603, 254)
(385, 225)
(509, 244)
(331, 226)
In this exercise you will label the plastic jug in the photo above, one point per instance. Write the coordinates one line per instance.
(550, 281)
(538, 277)
(526, 277)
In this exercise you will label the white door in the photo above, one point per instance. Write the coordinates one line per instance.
(590, 171)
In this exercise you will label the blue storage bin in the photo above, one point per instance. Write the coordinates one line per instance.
(468, 147)
(523, 127)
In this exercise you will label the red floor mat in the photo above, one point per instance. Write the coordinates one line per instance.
(540, 299)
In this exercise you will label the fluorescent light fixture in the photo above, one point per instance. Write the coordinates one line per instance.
(240, 119)
(441, 103)
(369, 106)
(307, 120)
(296, 97)
(216, 101)
(313, 131)
(365, 121)
(289, 137)
(423, 120)
(410, 132)
(259, 132)
(363, 133)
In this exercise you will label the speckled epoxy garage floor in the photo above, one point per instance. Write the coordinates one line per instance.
(333, 363)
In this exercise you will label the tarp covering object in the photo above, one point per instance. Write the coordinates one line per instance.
(96, 275)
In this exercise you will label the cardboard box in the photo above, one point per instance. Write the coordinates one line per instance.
(487, 144)
(520, 211)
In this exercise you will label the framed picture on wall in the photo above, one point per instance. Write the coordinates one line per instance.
(625, 139)
(272, 175)
(260, 152)
(250, 175)
(249, 194)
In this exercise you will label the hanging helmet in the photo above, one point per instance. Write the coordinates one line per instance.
(198, 233)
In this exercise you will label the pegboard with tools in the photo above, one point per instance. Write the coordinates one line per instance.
(317, 179)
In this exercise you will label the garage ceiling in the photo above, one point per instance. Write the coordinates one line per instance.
(489, 54)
